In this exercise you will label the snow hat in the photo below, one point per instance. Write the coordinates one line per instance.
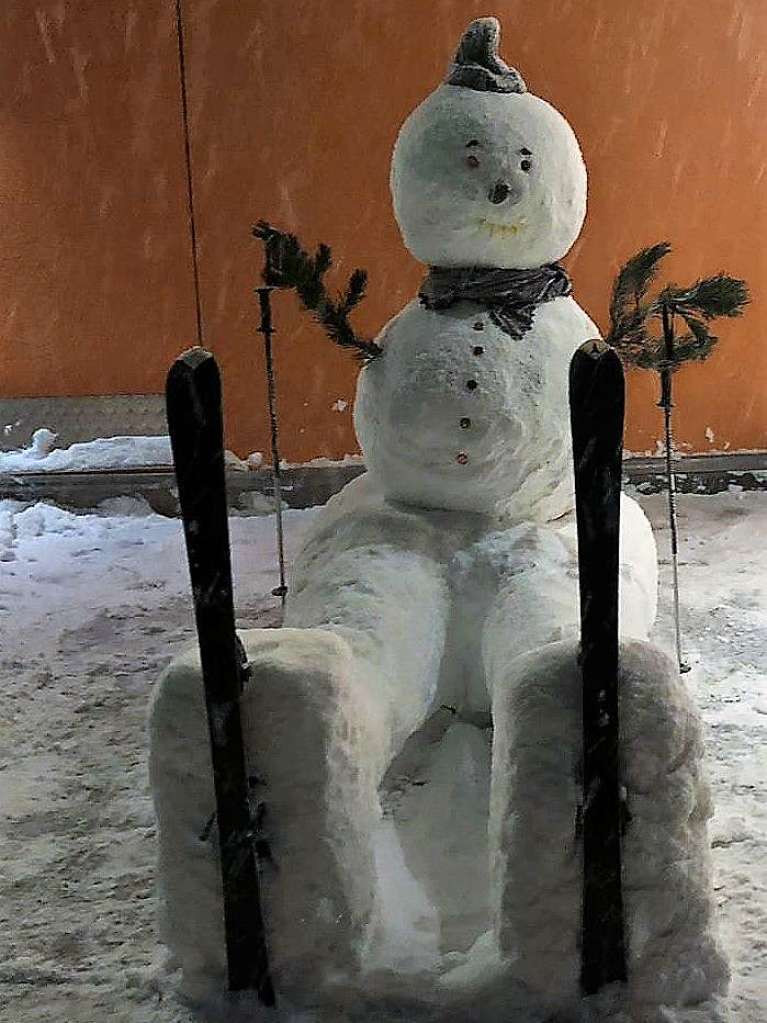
(477, 65)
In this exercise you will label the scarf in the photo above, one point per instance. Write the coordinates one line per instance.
(511, 296)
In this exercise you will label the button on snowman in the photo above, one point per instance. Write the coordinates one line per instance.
(443, 581)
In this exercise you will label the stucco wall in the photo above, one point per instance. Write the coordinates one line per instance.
(294, 109)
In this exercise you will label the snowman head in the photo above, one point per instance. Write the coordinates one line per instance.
(483, 172)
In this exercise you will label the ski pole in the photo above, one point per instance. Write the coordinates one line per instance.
(266, 328)
(667, 404)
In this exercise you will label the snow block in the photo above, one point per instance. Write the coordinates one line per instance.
(310, 753)
(674, 958)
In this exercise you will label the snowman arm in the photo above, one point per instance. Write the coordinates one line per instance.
(289, 266)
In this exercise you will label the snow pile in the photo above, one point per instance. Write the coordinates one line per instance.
(103, 453)
(321, 462)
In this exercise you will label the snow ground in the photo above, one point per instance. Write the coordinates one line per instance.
(93, 605)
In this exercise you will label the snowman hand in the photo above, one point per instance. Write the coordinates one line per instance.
(290, 266)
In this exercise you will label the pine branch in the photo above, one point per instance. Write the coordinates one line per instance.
(323, 260)
(697, 345)
(650, 352)
(633, 343)
(291, 267)
(355, 291)
(631, 312)
(712, 297)
(627, 312)
(653, 356)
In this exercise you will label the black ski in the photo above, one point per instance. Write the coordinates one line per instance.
(196, 430)
(597, 398)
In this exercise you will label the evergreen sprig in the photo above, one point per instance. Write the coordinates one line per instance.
(632, 312)
(711, 297)
(632, 283)
(291, 267)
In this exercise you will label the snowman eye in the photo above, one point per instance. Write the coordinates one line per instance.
(526, 165)
(472, 161)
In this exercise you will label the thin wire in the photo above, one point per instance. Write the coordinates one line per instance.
(188, 159)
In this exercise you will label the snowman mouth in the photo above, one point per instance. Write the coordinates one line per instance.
(496, 230)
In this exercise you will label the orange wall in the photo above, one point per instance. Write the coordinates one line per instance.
(94, 264)
(294, 109)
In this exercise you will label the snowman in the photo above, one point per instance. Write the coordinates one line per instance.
(443, 582)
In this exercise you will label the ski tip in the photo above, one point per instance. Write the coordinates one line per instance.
(597, 389)
(193, 384)
(191, 365)
(595, 348)
(195, 357)
(595, 358)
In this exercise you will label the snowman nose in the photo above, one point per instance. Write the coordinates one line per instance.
(499, 192)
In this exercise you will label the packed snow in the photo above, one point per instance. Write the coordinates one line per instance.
(94, 605)
(103, 454)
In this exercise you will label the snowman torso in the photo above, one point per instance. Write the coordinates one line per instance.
(458, 414)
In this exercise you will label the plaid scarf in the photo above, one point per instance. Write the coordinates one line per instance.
(511, 296)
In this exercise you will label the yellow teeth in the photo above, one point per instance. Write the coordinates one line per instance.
(501, 230)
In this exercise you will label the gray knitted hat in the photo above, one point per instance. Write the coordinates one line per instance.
(477, 64)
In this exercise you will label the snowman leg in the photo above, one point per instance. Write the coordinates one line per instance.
(305, 725)
(314, 741)
(327, 706)
(535, 860)
(673, 954)
(378, 584)
(535, 609)
(537, 600)
(530, 655)
(191, 922)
